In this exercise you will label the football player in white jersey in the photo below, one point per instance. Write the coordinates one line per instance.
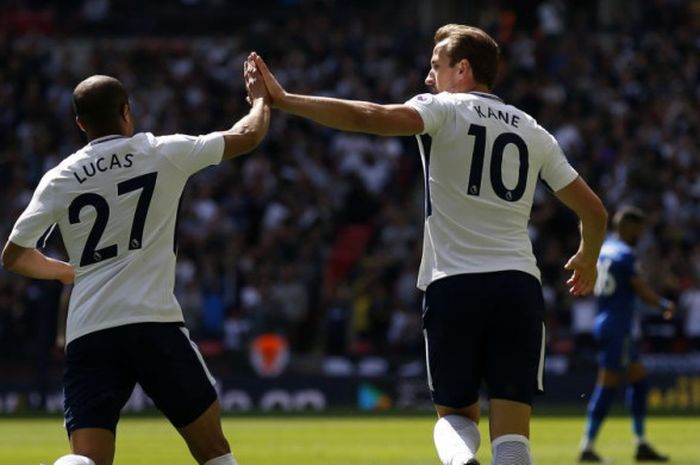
(484, 312)
(115, 202)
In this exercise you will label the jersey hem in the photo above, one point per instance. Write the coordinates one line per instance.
(114, 324)
(423, 285)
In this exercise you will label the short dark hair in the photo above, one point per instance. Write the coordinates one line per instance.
(98, 102)
(628, 214)
(476, 46)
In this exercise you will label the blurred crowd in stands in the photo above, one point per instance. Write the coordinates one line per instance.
(317, 234)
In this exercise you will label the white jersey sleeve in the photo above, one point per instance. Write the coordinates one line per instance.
(37, 217)
(556, 170)
(191, 153)
(432, 109)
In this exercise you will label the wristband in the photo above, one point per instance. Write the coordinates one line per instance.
(664, 304)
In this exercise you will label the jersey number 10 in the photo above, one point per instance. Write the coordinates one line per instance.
(476, 169)
(91, 254)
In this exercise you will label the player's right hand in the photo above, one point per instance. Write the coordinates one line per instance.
(583, 276)
(277, 92)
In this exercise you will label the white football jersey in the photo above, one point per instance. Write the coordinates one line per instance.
(481, 159)
(115, 202)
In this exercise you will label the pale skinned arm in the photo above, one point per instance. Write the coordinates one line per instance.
(250, 130)
(594, 219)
(34, 264)
(345, 115)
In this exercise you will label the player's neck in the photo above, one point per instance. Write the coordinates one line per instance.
(626, 240)
(471, 88)
(480, 88)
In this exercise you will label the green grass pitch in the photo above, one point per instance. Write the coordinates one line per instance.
(346, 440)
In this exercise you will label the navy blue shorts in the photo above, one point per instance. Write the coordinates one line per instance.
(484, 327)
(102, 369)
(617, 351)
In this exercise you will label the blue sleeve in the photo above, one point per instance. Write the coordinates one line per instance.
(629, 265)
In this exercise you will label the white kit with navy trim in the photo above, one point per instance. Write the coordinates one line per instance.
(115, 202)
(482, 159)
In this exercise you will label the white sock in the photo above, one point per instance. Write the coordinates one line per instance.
(511, 449)
(457, 439)
(222, 460)
(586, 444)
(74, 459)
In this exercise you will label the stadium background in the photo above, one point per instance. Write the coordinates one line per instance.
(315, 237)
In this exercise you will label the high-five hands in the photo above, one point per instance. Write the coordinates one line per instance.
(275, 90)
(254, 83)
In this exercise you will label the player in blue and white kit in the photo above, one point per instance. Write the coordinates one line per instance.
(115, 202)
(616, 330)
(484, 312)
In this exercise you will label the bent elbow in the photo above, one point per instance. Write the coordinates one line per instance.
(251, 141)
(594, 211)
(8, 263)
(240, 144)
(601, 212)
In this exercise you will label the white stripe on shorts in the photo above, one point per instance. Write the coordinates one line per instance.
(427, 360)
(199, 355)
(540, 366)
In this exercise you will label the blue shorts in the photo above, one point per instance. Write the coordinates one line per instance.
(617, 351)
(102, 369)
(484, 327)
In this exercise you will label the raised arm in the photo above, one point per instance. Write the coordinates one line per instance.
(594, 219)
(250, 130)
(346, 115)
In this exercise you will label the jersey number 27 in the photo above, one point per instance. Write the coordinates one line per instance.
(91, 254)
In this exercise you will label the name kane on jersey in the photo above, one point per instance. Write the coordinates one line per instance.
(502, 115)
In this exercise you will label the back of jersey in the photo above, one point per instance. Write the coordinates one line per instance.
(482, 159)
(115, 202)
(617, 265)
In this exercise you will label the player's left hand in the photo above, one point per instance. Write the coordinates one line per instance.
(583, 275)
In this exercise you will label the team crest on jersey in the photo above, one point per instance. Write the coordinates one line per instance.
(424, 98)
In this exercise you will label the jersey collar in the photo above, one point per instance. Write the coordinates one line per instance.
(99, 140)
(486, 95)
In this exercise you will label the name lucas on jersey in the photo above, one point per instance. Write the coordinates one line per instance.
(103, 164)
(504, 116)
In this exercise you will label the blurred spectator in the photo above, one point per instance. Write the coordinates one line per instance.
(690, 306)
